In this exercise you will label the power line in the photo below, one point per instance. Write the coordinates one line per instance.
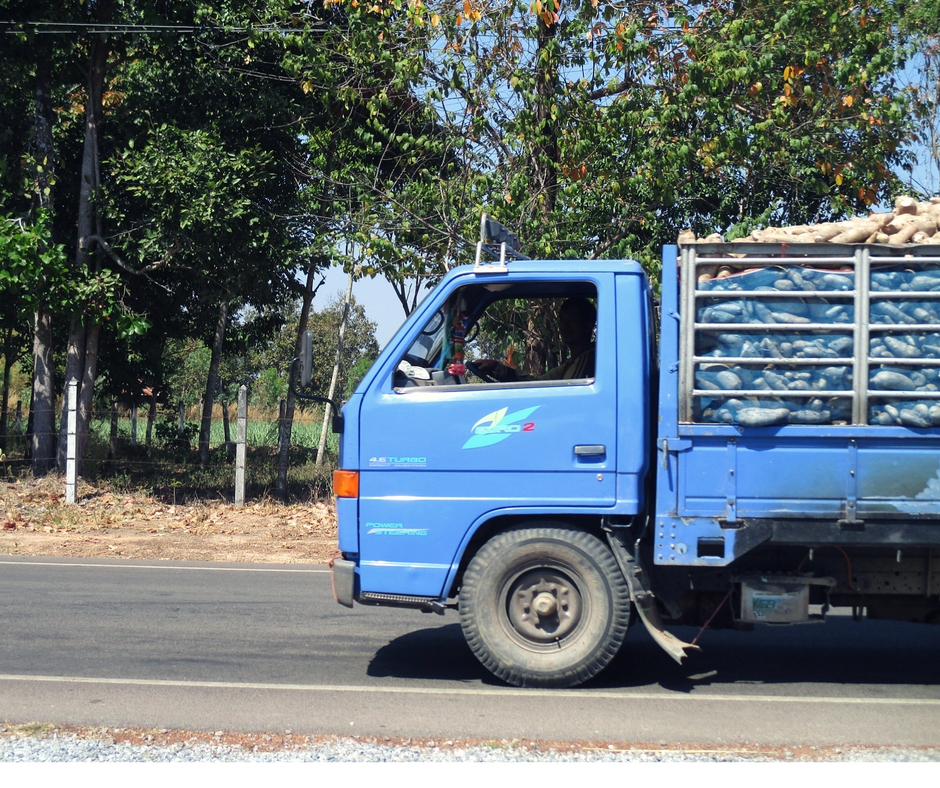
(82, 28)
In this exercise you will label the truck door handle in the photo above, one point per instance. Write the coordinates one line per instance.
(590, 450)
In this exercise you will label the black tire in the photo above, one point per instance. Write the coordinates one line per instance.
(544, 606)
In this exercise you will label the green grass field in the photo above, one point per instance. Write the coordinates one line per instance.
(258, 433)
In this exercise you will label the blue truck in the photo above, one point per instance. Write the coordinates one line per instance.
(756, 444)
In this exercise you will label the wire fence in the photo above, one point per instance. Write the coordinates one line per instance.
(158, 458)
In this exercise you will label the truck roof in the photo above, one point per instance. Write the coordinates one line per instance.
(543, 267)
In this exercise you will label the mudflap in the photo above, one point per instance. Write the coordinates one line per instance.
(343, 577)
(641, 593)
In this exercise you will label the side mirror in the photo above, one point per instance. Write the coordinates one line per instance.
(305, 362)
(306, 359)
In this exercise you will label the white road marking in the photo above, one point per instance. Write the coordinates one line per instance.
(481, 691)
(160, 566)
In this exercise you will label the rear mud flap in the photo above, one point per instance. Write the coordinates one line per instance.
(644, 599)
(343, 578)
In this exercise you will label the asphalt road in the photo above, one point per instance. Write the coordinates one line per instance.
(265, 648)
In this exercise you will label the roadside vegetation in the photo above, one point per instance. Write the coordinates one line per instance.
(174, 178)
(169, 469)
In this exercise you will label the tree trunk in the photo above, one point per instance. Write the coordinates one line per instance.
(81, 365)
(151, 416)
(112, 443)
(86, 395)
(28, 450)
(339, 357)
(82, 362)
(544, 168)
(227, 430)
(212, 382)
(5, 396)
(42, 411)
(545, 151)
(407, 298)
(44, 120)
(286, 424)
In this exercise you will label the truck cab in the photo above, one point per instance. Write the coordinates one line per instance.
(446, 461)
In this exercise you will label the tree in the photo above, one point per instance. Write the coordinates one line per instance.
(191, 133)
(378, 165)
(359, 344)
(616, 126)
(921, 25)
(600, 129)
(27, 181)
(211, 151)
(175, 161)
(33, 273)
(198, 184)
(188, 362)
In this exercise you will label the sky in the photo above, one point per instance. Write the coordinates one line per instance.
(376, 296)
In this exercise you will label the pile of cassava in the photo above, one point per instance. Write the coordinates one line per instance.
(911, 221)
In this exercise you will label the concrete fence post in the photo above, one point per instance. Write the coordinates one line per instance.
(71, 461)
(241, 439)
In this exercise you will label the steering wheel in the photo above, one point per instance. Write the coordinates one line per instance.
(485, 376)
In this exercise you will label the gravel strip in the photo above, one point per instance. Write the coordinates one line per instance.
(98, 746)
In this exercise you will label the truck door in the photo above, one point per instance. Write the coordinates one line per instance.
(443, 451)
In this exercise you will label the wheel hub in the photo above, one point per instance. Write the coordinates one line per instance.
(544, 606)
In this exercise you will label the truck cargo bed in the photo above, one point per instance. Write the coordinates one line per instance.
(797, 382)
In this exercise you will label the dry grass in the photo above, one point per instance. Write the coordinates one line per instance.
(35, 520)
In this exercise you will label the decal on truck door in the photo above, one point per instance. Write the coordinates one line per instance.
(498, 425)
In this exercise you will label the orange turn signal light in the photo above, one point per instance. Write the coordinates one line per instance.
(346, 484)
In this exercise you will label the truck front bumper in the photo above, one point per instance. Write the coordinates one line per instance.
(343, 576)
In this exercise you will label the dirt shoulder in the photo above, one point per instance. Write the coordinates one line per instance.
(104, 523)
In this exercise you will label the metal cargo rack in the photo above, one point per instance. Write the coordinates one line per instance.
(847, 258)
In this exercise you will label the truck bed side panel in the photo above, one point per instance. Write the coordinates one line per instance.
(713, 479)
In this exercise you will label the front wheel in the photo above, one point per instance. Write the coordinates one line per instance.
(544, 606)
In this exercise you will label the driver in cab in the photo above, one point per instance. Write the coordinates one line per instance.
(576, 321)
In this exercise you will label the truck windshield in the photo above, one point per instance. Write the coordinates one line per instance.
(426, 348)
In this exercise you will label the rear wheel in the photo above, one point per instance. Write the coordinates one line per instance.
(544, 606)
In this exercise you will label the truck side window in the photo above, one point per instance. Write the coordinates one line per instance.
(490, 334)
